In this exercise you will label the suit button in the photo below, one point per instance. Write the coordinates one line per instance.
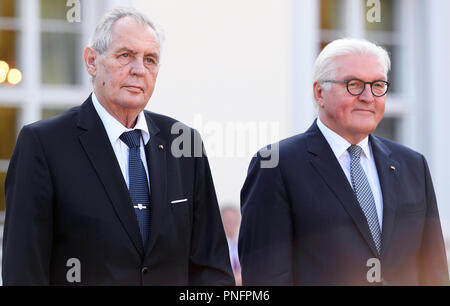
(144, 270)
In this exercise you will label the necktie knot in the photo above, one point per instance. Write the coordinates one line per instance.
(355, 152)
(131, 138)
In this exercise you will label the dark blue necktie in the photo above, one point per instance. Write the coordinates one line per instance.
(364, 194)
(138, 184)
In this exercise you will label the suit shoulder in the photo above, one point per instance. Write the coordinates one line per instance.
(398, 149)
(287, 145)
(166, 124)
(47, 131)
(163, 120)
(293, 142)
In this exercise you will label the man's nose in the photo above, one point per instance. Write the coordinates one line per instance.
(367, 94)
(137, 67)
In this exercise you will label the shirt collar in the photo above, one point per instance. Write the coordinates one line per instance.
(339, 144)
(114, 128)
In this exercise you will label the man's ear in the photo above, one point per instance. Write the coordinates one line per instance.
(90, 60)
(318, 94)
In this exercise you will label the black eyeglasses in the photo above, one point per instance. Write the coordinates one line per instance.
(356, 86)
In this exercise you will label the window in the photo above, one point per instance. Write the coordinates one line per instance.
(60, 45)
(53, 9)
(8, 38)
(8, 47)
(331, 21)
(7, 8)
(331, 12)
(8, 131)
(59, 58)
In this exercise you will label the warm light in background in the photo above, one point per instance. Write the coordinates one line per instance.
(4, 68)
(2, 75)
(14, 76)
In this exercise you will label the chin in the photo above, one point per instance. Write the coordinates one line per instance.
(365, 130)
(133, 102)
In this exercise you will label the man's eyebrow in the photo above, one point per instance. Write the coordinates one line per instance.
(152, 54)
(351, 77)
(124, 49)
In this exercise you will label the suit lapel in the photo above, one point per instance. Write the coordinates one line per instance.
(325, 162)
(389, 184)
(156, 150)
(96, 144)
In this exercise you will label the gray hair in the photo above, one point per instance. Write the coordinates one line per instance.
(325, 68)
(101, 38)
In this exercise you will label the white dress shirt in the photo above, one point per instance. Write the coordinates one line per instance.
(114, 129)
(339, 145)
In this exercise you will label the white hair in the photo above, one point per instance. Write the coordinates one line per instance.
(101, 38)
(325, 68)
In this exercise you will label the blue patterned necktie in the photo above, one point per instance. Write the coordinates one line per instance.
(364, 194)
(138, 184)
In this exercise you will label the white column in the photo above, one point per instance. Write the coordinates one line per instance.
(306, 42)
(30, 59)
(89, 18)
(438, 102)
(410, 75)
(354, 18)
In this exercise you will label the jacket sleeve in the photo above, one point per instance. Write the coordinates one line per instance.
(433, 262)
(27, 235)
(209, 262)
(265, 236)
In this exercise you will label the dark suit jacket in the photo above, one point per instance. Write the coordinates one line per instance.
(302, 225)
(66, 198)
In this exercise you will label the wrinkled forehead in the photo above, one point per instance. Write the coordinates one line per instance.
(129, 33)
(362, 66)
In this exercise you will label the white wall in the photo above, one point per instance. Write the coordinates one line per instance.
(438, 50)
(224, 63)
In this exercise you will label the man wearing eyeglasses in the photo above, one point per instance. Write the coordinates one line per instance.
(342, 207)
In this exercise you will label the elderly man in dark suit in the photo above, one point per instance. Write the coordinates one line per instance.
(342, 207)
(99, 196)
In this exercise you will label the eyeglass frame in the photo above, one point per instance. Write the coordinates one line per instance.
(364, 87)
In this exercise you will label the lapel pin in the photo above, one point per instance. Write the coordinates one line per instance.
(392, 168)
(161, 147)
